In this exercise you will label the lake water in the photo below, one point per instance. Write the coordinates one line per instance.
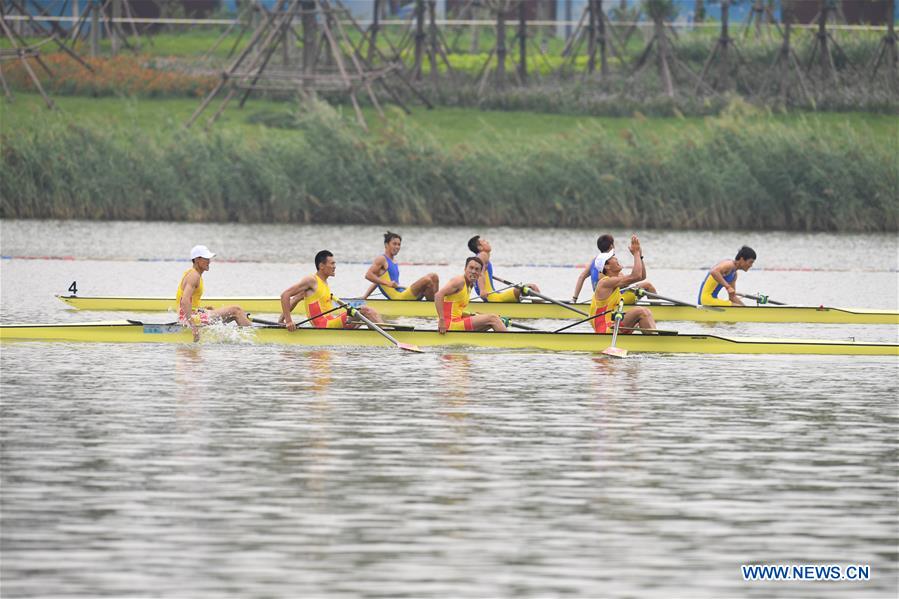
(228, 470)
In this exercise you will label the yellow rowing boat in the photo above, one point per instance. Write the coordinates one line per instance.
(139, 332)
(523, 310)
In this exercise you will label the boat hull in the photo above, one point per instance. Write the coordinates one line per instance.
(523, 310)
(135, 332)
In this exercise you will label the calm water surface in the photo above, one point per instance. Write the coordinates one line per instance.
(246, 471)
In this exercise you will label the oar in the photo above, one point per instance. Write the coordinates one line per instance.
(395, 327)
(515, 325)
(663, 332)
(761, 299)
(616, 352)
(500, 290)
(588, 319)
(639, 291)
(528, 291)
(281, 324)
(354, 312)
(268, 323)
(387, 325)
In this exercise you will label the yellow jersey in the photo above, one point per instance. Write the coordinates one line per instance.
(197, 294)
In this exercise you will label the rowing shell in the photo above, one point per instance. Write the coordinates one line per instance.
(137, 332)
(424, 309)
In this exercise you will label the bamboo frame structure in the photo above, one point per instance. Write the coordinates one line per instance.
(330, 63)
(887, 52)
(721, 52)
(429, 42)
(22, 51)
(662, 45)
(785, 63)
(825, 45)
(761, 14)
(596, 30)
(500, 50)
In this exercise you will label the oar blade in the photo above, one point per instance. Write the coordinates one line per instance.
(615, 352)
(410, 347)
(268, 323)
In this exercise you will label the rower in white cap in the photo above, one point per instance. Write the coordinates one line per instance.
(190, 291)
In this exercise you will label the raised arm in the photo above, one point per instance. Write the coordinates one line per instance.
(622, 281)
(291, 296)
(585, 274)
(637, 274)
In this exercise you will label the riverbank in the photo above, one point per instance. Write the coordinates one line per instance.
(742, 170)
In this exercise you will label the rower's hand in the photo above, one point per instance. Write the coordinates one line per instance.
(392, 284)
(288, 322)
(635, 245)
(441, 326)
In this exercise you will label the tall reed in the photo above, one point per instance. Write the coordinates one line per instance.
(730, 172)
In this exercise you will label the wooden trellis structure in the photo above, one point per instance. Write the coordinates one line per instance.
(429, 41)
(22, 51)
(825, 45)
(786, 64)
(887, 52)
(330, 63)
(662, 46)
(103, 15)
(727, 57)
(247, 13)
(499, 52)
(760, 18)
(595, 30)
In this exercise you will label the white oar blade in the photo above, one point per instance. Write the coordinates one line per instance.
(615, 352)
(410, 347)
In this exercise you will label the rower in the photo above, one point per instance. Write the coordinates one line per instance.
(484, 286)
(452, 299)
(606, 246)
(385, 273)
(608, 294)
(190, 292)
(314, 290)
(724, 276)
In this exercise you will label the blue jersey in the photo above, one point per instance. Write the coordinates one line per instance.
(709, 281)
(490, 286)
(392, 274)
(594, 274)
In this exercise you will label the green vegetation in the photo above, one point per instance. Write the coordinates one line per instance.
(265, 119)
(172, 65)
(741, 170)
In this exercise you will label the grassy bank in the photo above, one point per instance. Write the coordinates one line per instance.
(736, 171)
(261, 119)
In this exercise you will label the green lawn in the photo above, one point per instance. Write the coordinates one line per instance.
(451, 126)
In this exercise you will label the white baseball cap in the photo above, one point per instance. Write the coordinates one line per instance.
(200, 251)
(601, 259)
